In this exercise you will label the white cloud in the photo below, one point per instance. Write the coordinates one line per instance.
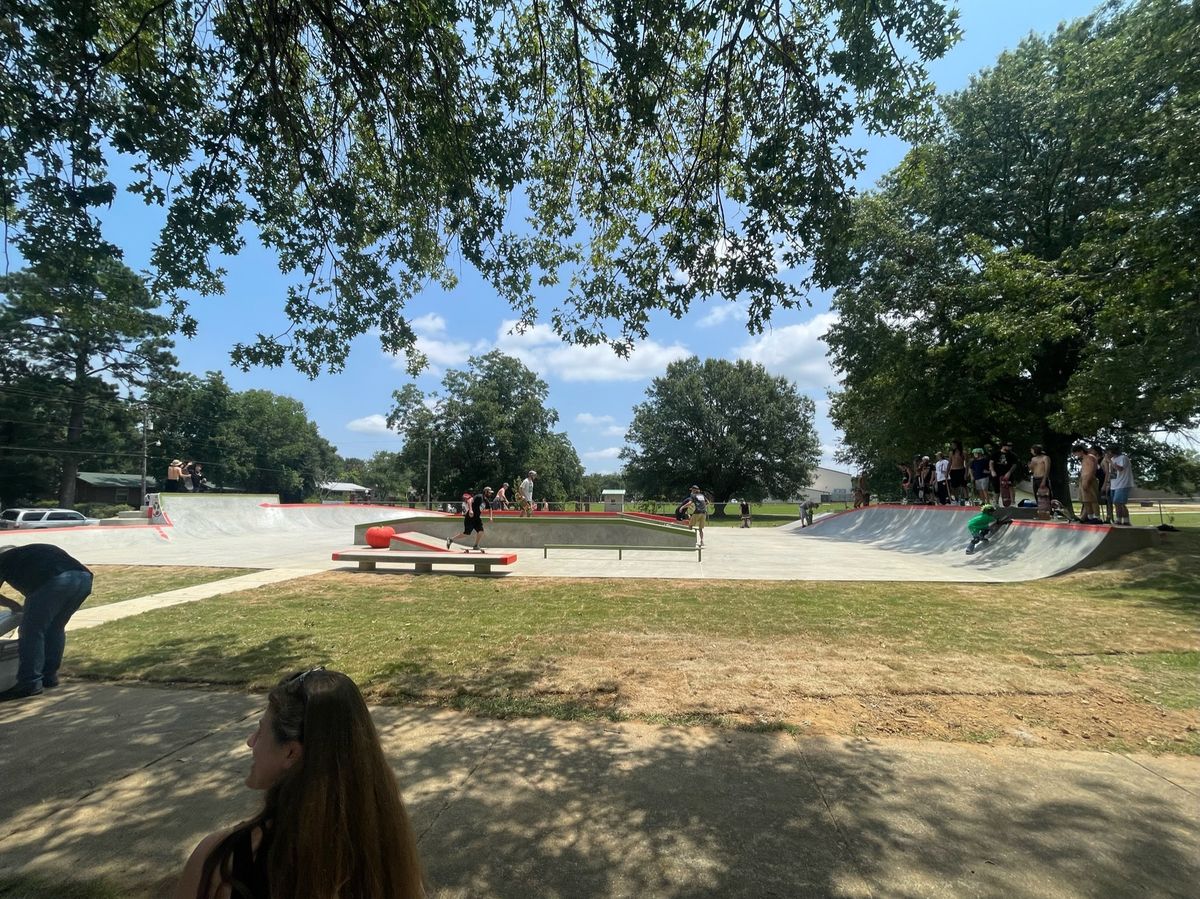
(795, 351)
(587, 418)
(370, 424)
(542, 350)
(720, 312)
(431, 323)
(604, 425)
(612, 452)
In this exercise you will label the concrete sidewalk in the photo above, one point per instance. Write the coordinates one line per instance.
(90, 616)
(120, 782)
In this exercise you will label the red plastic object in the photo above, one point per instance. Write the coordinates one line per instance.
(381, 537)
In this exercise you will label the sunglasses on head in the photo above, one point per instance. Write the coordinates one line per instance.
(299, 676)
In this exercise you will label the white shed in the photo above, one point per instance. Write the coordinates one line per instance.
(614, 500)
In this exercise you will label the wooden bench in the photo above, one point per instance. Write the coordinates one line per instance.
(367, 559)
(622, 548)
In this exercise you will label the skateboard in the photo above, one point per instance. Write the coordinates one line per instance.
(1006, 492)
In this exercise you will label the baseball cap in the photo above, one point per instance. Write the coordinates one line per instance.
(978, 449)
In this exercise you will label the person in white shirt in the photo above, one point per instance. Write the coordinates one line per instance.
(1122, 483)
(527, 494)
(941, 470)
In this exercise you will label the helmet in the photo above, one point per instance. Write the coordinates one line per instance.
(987, 507)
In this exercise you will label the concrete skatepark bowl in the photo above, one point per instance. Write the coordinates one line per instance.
(878, 543)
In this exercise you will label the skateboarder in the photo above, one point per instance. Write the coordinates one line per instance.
(473, 518)
(699, 513)
(745, 510)
(982, 526)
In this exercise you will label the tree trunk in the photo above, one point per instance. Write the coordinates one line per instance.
(1059, 448)
(70, 465)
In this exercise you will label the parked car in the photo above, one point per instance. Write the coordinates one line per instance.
(44, 518)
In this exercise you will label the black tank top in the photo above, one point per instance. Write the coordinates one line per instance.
(249, 869)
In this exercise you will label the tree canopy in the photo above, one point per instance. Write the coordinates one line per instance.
(730, 427)
(1030, 272)
(489, 424)
(255, 440)
(79, 337)
(653, 154)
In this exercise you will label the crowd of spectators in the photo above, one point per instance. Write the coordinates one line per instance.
(989, 473)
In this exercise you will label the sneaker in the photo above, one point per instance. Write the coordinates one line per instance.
(20, 691)
(448, 542)
(971, 551)
(49, 682)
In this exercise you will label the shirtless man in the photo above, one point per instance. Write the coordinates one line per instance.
(1039, 468)
(1089, 485)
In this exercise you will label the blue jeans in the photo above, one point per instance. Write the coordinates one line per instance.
(43, 635)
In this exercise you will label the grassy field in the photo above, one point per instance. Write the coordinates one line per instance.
(1108, 657)
(115, 583)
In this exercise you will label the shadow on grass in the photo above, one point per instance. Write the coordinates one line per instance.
(258, 666)
(550, 810)
(1168, 577)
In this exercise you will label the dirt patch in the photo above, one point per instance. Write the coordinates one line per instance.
(883, 691)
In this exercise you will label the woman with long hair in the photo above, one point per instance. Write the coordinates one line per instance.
(332, 824)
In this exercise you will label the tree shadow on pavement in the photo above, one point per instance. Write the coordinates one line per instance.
(120, 783)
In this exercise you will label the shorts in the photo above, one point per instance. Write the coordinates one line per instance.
(1120, 495)
(472, 524)
(981, 484)
(698, 519)
(958, 477)
(1090, 493)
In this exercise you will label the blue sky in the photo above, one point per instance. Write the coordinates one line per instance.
(592, 390)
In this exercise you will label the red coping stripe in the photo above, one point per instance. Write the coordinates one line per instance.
(1020, 522)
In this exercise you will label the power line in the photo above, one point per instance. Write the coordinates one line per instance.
(56, 451)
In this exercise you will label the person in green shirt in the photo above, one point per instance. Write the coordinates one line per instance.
(981, 526)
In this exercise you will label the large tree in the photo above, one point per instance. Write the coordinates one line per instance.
(83, 325)
(489, 424)
(365, 141)
(730, 427)
(271, 446)
(1030, 273)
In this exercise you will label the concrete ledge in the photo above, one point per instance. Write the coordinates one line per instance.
(423, 562)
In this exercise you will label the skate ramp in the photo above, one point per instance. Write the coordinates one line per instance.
(1022, 550)
(220, 530)
(208, 515)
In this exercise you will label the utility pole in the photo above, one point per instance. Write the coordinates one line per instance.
(145, 447)
(428, 470)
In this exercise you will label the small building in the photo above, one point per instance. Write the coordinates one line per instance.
(614, 500)
(343, 492)
(829, 486)
(111, 487)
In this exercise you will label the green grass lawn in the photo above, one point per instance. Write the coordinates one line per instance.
(115, 583)
(744, 653)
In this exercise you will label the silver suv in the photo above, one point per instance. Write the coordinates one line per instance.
(44, 518)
